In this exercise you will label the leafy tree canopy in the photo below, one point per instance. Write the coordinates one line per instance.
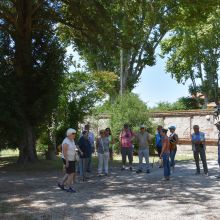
(183, 103)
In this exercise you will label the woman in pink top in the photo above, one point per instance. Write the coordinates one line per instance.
(125, 138)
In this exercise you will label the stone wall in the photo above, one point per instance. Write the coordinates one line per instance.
(183, 120)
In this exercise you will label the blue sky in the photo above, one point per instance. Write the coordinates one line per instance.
(156, 85)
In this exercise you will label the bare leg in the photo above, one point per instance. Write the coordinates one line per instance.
(63, 180)
(69, 180)
(73, 180)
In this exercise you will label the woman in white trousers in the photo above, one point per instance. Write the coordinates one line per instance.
(102, 145)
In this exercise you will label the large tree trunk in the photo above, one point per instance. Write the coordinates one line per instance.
(24, 71)
(27, 149)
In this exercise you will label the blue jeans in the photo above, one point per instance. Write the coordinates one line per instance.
(83, 164)
(143, 153)
(172, 157)
(166, 164)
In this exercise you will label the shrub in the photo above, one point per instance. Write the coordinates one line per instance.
(126, 109)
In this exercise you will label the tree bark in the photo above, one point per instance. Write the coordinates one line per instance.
(27, 150)
(24, 72)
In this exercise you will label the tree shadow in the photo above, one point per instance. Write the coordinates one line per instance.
(36, 195)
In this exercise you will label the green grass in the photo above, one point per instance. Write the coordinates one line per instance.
(8, 160)
(9, 153)
(9, 164)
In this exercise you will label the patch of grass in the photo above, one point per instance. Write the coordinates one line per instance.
(184, 157)
(9, 153)
(9, 163)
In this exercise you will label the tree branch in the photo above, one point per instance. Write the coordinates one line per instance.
(37, 6)
(6, 28)
(6, 15)
(158, 41)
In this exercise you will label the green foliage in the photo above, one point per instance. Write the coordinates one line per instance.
(126, 109)
(136, 27)
(32, 63)
(100, 30)
(193, 53)
(80, 93)
(183, 103)
(41, 89)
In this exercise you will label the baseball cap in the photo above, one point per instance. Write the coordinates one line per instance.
(172, 127)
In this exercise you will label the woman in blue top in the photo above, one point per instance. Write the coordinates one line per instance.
(198, 147)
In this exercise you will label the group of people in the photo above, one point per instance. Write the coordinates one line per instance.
(167, 148)
(77, 156)
(81, 153)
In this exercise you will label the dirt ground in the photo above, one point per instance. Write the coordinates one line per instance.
(121, 196)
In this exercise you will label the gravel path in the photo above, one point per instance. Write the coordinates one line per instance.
(123, 195)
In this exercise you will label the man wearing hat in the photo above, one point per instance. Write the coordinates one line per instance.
(173, 138)
(69, 160)
(143, 139)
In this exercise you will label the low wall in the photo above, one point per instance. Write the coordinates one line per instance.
(183, 120)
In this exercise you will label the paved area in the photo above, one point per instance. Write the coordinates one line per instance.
(123, 195)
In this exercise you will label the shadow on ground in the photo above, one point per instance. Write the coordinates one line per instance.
(26, 195)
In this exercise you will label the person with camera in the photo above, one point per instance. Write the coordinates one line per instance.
(126, 142)
(173, 138)
(198, 147)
